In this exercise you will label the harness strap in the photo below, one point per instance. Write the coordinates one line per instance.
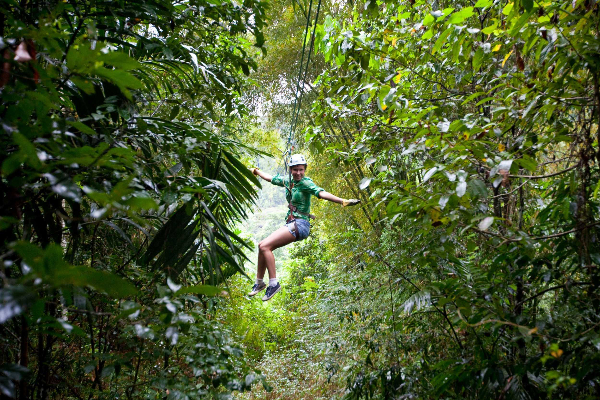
(297, 232)
(294, 209)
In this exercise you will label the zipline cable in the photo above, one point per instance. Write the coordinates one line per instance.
(303, 79)
(299, 87)
(289, 142)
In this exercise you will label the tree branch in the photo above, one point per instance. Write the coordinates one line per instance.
(545, 176)
(551, 289)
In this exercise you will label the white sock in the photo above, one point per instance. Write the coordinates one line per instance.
(259, 281)
(273, 282)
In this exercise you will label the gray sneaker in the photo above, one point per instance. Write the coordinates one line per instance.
(257, 288)
(271, 290)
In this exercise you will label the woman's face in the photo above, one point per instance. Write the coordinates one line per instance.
(298, 172)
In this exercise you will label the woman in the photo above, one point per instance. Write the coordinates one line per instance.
(297, 225)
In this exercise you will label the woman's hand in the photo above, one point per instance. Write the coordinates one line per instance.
(263, 175)
(350, 202)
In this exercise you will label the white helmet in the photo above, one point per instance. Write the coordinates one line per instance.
(297, 159)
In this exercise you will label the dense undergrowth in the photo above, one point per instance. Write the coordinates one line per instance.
(287, 338)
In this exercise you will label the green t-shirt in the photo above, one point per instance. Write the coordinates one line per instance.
(301, 193)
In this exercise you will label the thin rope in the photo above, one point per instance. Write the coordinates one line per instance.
(300, 86)
(303, 79)
(289, 142)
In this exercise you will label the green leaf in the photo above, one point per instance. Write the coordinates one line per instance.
(484, 101)
(478, 188)
(178, 243)
(81, 59)
(179, 219)
(63, 185)
(131, 312)
(90, 367)
(102, 281)
(120, 60)
(174, 113)
(138, 203)
(528, 163)
(364, 183)
(490, 29)
(471, 97)
(429, 174)
(461, 189)
(14, 300)
(372, 8)
(9, 374)
(124, 80)
(383, 92)
(441, 40)
(48, 264)
(84, 84)
(210, 215)
(456, 50)
(84, 155)
(531, 105)
(486, 223)
(508, 8)
(478, 59)
(514, 30)
(28, 150)
(82, 127)
(417, 302)
(460, 16)
(206, 290)
(245, 69)
(483, 3)
(119, 231)
(241, 168)
(429, 19)
(7, 222)
(442, 14)
(12, 163)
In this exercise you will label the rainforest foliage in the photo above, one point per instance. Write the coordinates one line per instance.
(122, 179)
(473, 127)
(469, 130)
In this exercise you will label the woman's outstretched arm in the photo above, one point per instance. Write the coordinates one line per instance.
(328, 196)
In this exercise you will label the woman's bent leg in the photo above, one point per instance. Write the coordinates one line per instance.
(261, 267)
(266, 260)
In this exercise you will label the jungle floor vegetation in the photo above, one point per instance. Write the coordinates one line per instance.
(469, 130)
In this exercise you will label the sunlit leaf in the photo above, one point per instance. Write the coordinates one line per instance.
(364, 183)
(461, 188)
(486, 223)
(429, 174)
(14, 301)
(417, 302)
(483, 3)
(441, 40)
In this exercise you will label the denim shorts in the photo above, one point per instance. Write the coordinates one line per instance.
(303, 228)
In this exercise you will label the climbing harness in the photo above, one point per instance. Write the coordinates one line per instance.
(291, 218)
(302, 74)
(294, 209)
